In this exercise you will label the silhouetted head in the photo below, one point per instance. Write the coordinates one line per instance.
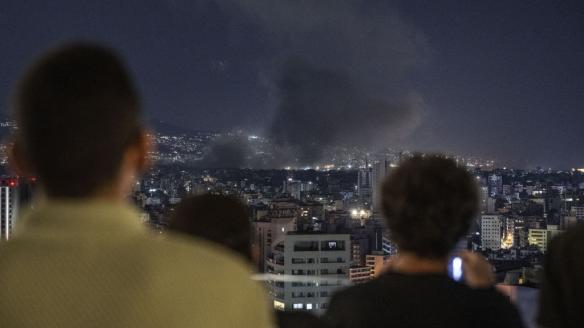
(219, 219)
(429, 203)
(78, 117)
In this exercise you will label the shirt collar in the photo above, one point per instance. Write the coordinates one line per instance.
(79, 217)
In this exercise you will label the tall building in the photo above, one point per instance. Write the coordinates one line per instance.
(495, 183)
(319, 265)
(491, 205)
(268, 233)
(484, 195)
(365, 183)
(380, 171)
(491, 232)
(282, 217)
(9, 205)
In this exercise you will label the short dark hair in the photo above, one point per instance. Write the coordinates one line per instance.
(77, 111)
(429, 203)
(216, 218)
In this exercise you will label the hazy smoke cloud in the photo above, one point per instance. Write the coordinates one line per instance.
(320, 108)
(338, 75)
(226, 152)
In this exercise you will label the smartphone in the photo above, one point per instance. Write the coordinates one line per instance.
(455, 268)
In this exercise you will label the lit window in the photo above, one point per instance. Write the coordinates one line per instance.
(298, 306)
(279, 305)
(309, 306)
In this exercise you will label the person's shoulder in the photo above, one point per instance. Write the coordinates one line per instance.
(503, 313)
(188, 253)
(195, 273)
(348, 307)
(487, 295)
(366, 293)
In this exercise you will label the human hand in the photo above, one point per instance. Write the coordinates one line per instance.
(478, 273)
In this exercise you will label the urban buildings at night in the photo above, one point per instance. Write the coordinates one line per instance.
(299, 111)
(320, 229)
(9, 206)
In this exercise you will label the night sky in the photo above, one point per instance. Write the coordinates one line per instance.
(496, 79)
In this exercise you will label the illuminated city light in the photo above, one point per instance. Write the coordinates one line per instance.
(507, 241)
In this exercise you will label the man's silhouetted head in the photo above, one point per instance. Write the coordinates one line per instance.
(77, 113)
(429, 202)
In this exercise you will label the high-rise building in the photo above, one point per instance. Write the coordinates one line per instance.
(380, 171)
(495, 183)
(484, 195)
(281, 218)
(365, 183)
(268, 233)
(9, 205)
(319, 264)
(491, 232)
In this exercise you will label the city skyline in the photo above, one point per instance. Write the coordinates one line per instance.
(494, 80)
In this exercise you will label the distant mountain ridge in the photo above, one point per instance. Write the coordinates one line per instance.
(172, 129)
(154, 124)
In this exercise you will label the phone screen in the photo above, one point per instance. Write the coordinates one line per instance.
(455, 268)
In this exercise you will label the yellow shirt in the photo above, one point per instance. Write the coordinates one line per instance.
(75, 264)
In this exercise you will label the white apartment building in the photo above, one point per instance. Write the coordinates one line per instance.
(315, 265)
(491, 232)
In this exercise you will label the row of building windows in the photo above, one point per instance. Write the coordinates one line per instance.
(313, 260)
(309, 294)
(309, 306)
(313, 246)
(322, 284)
(313, 272)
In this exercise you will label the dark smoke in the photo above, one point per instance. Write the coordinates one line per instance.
(237, 151)
(321, 108)
(338, 70)
(341, 75)
(226, 152)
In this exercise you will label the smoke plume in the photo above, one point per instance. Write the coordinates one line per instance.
(339, 73)
(226, 152)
